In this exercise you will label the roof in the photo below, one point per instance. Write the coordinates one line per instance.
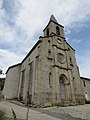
(70, 46)
(85, 78)
(53, 19)
(13, 66)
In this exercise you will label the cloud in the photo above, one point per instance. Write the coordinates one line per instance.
(8, 58)
(76, 40)
(21, 21)
(67, 32)
(11, 9)
(33, 16)
(84, 64)
(75, 12)
(68, 13)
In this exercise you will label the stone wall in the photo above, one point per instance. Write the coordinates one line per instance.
(12, 82)
(31, 78)
(86, 87)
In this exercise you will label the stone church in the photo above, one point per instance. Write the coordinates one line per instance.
(48, 74)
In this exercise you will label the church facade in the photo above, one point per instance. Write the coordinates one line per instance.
(48, 74)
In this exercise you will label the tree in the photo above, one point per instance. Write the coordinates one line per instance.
(1, 71)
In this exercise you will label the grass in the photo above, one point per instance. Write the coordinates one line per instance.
(2, 113)
(14, 115)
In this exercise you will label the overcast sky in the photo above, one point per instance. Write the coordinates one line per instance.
(22, 22)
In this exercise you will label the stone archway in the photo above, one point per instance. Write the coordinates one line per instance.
(62, 83)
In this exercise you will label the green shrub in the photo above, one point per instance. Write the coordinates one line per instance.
(1, 96)
(87, 102)
(2, 115)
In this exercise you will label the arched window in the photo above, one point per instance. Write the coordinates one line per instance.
(57, 30)
(63, 80)
(47, 31)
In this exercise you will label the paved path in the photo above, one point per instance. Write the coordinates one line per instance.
(21, 112)
(81, 112)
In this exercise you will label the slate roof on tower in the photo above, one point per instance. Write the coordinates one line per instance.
(53, 19)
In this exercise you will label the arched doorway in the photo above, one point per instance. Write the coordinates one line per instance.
(62, 83)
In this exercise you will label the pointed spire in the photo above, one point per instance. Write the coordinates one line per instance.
(52, 18)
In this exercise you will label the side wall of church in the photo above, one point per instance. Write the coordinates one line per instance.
(11, 83)
(30, 75)
(86, 87)
(77, 84)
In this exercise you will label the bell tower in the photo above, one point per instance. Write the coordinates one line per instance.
(53, 27)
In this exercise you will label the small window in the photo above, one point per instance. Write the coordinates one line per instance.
(49, 51)
(57, 30)
(47, 31)
(68, 49)
(50, 84)
(29, 60)
(38, 46)
(84, 83)
(49, 41)
(70, 59)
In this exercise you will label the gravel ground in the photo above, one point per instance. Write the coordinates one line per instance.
(59, 114)
(81, 112)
